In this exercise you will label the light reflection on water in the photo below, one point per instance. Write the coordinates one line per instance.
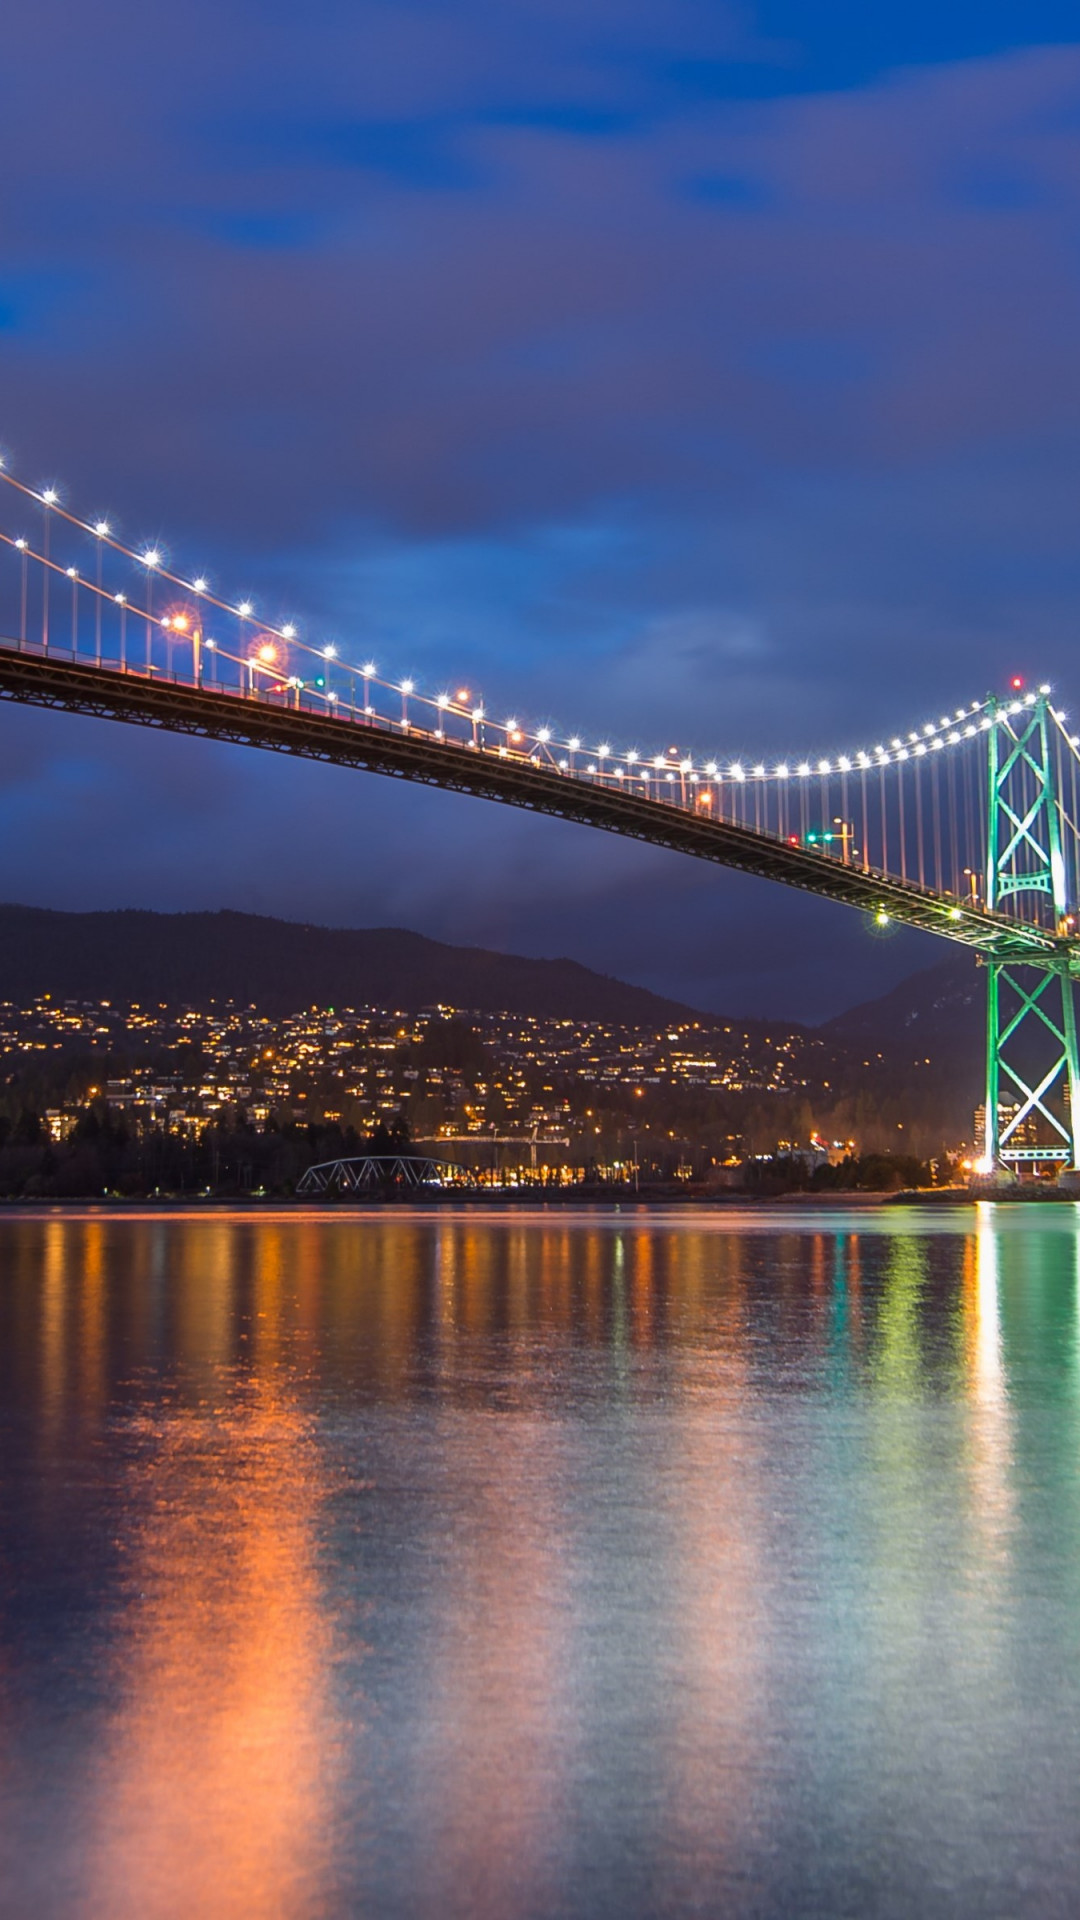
(593, 1564)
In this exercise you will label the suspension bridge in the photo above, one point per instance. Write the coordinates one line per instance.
(967, 826)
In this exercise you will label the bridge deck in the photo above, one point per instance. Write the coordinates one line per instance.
(410, 753)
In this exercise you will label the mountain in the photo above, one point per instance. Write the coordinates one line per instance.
(281, 966)
(919, 1051)
(940, 1013)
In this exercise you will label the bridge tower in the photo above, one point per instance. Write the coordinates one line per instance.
(1031, 1046)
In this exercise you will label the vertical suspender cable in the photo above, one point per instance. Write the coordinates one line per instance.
(967, 838)
(980, 821)
(1075, 824)
(955, 877)
(45, 586)
(919, 822)
(935, 796)
(1058, 785)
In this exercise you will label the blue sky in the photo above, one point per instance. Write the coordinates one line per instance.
(686, 371)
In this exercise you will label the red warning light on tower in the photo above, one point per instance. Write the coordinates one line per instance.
(1016, 683)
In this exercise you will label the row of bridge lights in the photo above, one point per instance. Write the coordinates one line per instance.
(933, 738)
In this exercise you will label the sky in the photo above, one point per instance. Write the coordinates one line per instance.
(680, 372)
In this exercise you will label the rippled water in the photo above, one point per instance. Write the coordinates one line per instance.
(608, 1564)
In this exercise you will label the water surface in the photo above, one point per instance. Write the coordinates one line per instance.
(597, 1564)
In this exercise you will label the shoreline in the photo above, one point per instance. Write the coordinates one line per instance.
(352, 1205)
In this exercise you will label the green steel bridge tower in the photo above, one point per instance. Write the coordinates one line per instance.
(1032, 1067)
